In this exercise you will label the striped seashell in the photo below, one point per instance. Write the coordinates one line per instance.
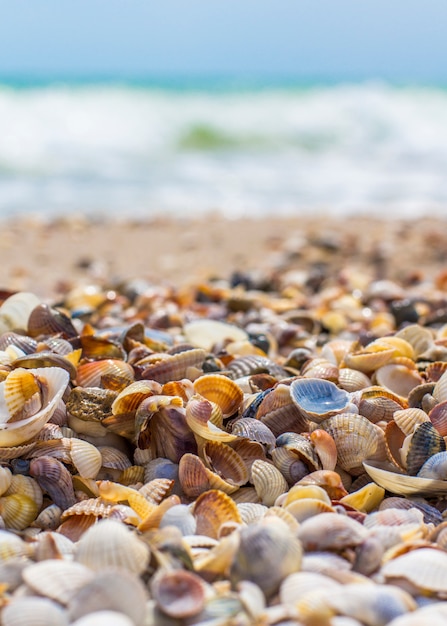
(425, 442)
(85, 457)
(296, 585)
(352, 380)
(49, 518)
(45, 320)
(212, 509)
(435, 370)
(198, 416)
(409, 419)
(420, 338)
(434, 467)
(26, 486)
(5, 479)
(284, 516)
(394, 442)
(33, 612)
(221, 390)
(425, 568)
(89, 374)
(254, 430)
(55, 479)
(268, 482)
(92, 506)
(18, 511)
(130, 398)
(279, 412)
(438, 417)
(111, 544)
(172, 367)
(205, 333)
(318, 399)
(16, 309)
(398, 378)
(183, 388)
(113, 458)
(246, 494)
(132, 475)
(289, 464)
(156, 489)
(251, 511)
(377, 404)
(249, 451)
(305, 508)
(368, 359)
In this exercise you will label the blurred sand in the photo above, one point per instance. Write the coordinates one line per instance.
(49, 258)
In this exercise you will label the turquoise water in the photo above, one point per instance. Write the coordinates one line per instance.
(136, 148)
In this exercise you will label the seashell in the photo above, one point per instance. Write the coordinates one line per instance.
(268, 552)
(44, 320)
(183, 388)
(305, 508)
(425, 442)
(299, 492)
(49, 518)
(254, 430)
(205, 333)
(11, 546)
(300, 583)
(18, 511)
(284, 516)
(161, 423)
(365, 499)
(212, 509)
(92, 506)
(268, 482)
(225, 462)
(402, 348)
(378, 404)
(11, 453)
(52, 381)
(367, 359)
(160, 468)
(57, 579)
(55, 479)
(132, 475)
(193, 476)
(130, 398)
(438, 417)
(90, 374)
(289, 464)
(116, 590)
(408, 419)
(198, 414)
(179, 594)
(5, 479)
(325, 448)
(331, 532)
(43, 359)
(352, 380)
(85, 457)
(33, 612)
(398, 378)
(318, 399)
(96, 347)
(15, 311)
(425, 568)
(385, 475)
(420, 338)
(279, 412)
(434, 467)
(181, 517)
(430, 514)
(245, 494)
(251, 512)
(220, 390)
(111, 544)
(421, 397)
(104, 618)
(434, 614)
(328, 480)
(356, 439)
(172, 367)
(255, 364)
(112, 458)
(394, 441)
(319, 367)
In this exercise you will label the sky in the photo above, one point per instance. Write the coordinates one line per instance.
(401, 40)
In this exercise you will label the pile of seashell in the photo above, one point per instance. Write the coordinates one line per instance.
(223, 456)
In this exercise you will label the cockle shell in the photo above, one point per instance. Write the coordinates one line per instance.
(204, 333)
(368, 359)
(409, 419)
(90, 374)
(172, 367)
(212, 509)
(318, 399)
(425, 442)
(268, 482)
(33, 612)
(15, 311)
(198, 418)
(425, 568)
(57, 579)
(280, 413)
(221, 390)
(14, 433)
(330, 531)
(179, 594)
(111, 544)
(398, 378)
(254, 430)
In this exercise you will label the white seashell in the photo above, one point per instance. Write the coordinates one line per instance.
(104, 618)
(205, 333)
(29, 611)
(15, 311)
(385, 475)
(181, 517)
(57, 579)
(112, 544)
(268, 482)
(86, 458)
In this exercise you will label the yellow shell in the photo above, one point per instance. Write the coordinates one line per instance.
(85, 457)
(368, 359)
(365, 499)
(268, 482)
(130, 398)
(18, 511)
(304, 508)
(212, 509)
(221, 390)
(198, 418)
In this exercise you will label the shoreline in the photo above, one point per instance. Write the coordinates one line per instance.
(50, 257)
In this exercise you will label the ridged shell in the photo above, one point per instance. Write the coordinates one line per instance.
(224, 461)
(173, 367)
(181, 517)
(90, 374)
(318, 399)
(368, 359)
(425, 442)
(352, 380)
(17, 432)
(179, 594)
(15, 311)
(280, 413)
(33, 612)
(268, 552)
(198, 418)
(420, 338)
(111, 544)
(254, 430)
(212, 509)
(251, 511)
(302, 447)
(356, 439)
(54, 478)
(385, 475)
(409, 419)
(289, 464)
(378, 404)
(425, 568)
(130, 398)
(18, 511)
(204, 333)
(394, 440)
(5, 479)
(268, 482)
(221, 390)
(57, 579)
(438, 417)
(331, 532)
(85, 457)
(434, 467)
(44, 320)
(308, 507)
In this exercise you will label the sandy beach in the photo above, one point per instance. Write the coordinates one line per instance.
(50, 257)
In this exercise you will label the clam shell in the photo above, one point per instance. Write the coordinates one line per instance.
(409, 419)
(289, 464)
(331, 532)
(212, 509)
(220, 390)
(425, 442)
(368, 359)
(352, 380)
(15, 311)
(33, 612)
(268, 482)
(394, 440)
(254, 430)
(104, 618)
(434, 467)
(318, 399)
(420, 338)
(90, 374)
(356, 440)
(225, 462)
(11, 546)
(181, 517)
(130, 398)
(251, 512)
(5, 479)
(308, 507)
(268, 552)
(425, 568)
(385, 475)
(173, 367)
(54, 478)
(85, 457)
(18, 432)
(57, 579)
(204, 333)
(18, 511)
(198, 416)
(179, 594)
(398, 378)
(280, 413)
(111, 544)
(438, 417)
(377, 404)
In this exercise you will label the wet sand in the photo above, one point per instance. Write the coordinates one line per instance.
(49, 258)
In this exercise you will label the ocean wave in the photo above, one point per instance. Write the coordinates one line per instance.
(146, 150)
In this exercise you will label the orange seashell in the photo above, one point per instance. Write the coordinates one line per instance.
(90, 374)
(212, 509)
(221, 390)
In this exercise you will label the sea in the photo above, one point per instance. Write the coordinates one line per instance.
(133, 149)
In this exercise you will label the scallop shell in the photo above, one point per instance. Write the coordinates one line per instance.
(425, 442)
(420, 338)
(301, 446)
(54, 478)
(268, 552)
(205, 333)
(57, 579)
(130, 398)
(251, 511)
(394, 441)
(318, 399)
(425, 568)
(173, 367)
(17, 432)
(352, 380)
(212, 509)
(289, 464)
(368, 359)
(33, 612)
(434, 467)
(220, 390)
(409, 419)
(44, 320)
(378, 404)
(179, 594)
(90, 374)
(18, 511)
(356, 440)
(280, 413)
(15, 311)
(85, 457)
(254, 430)
(111, 544)
(385, 475)
(268, 482)
(198, 418)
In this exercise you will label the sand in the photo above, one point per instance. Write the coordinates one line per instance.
(50, 257)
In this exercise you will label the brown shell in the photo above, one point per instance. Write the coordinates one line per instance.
(212, 509)
(172, 367)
